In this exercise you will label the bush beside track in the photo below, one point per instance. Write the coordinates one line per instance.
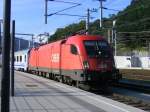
(136, 74)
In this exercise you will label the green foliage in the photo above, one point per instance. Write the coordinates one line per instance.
(94, 29)
(62, 33)
(135, 18)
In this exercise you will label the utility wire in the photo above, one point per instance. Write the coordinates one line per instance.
(24, 34)
(63, 10)
(111, 9)
(64, 2)
(73, 15)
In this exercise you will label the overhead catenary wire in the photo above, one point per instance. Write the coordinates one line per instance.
(63, 10)
(71, 15)
(63, 2)
(74, 4)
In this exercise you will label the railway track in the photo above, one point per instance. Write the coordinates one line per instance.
(133, 86)
(130, 101)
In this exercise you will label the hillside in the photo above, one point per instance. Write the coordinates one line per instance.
(135, 17)
(134, 20)
(76, 27)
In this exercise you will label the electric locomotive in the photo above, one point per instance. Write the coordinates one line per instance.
(79, 60)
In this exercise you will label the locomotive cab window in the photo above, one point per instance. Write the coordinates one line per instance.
(97, 48)
(74, 49)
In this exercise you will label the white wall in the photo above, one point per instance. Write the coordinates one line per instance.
(145, 62)
(127, 62)
(122, 61)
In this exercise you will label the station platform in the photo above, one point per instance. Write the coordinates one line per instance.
(37, 94)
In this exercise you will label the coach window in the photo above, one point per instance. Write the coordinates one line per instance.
(17, 59)
(20, 58)
(74, 49)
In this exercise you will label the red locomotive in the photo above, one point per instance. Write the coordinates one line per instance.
(79, 59)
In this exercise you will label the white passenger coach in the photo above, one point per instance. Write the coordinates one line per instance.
(21, 60)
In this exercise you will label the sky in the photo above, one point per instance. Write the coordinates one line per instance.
(29, 14)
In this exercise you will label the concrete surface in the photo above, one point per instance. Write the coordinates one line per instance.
(36, 94)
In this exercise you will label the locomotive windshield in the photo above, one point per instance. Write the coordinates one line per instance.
(97, 48)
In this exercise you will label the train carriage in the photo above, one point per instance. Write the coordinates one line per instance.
(21, 60)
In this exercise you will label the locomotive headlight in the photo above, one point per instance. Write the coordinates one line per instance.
(86, 64)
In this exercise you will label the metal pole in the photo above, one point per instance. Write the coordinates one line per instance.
(19, 44)
(149, 47)
(115, 37)
(32, 41)
(112, 37)
(46, 5)
(12, 57)
(0, 39)
(101, 13)
(108, 35)
(29, 44)
(87, 21)
(5, 89)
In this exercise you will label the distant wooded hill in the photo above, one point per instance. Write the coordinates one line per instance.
(135, 18)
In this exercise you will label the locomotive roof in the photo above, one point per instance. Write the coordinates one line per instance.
(73, 38)
(86, 37)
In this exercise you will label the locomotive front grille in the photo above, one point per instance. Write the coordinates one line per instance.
(97, 75)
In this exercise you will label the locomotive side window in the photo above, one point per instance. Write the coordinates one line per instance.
(74, 50)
